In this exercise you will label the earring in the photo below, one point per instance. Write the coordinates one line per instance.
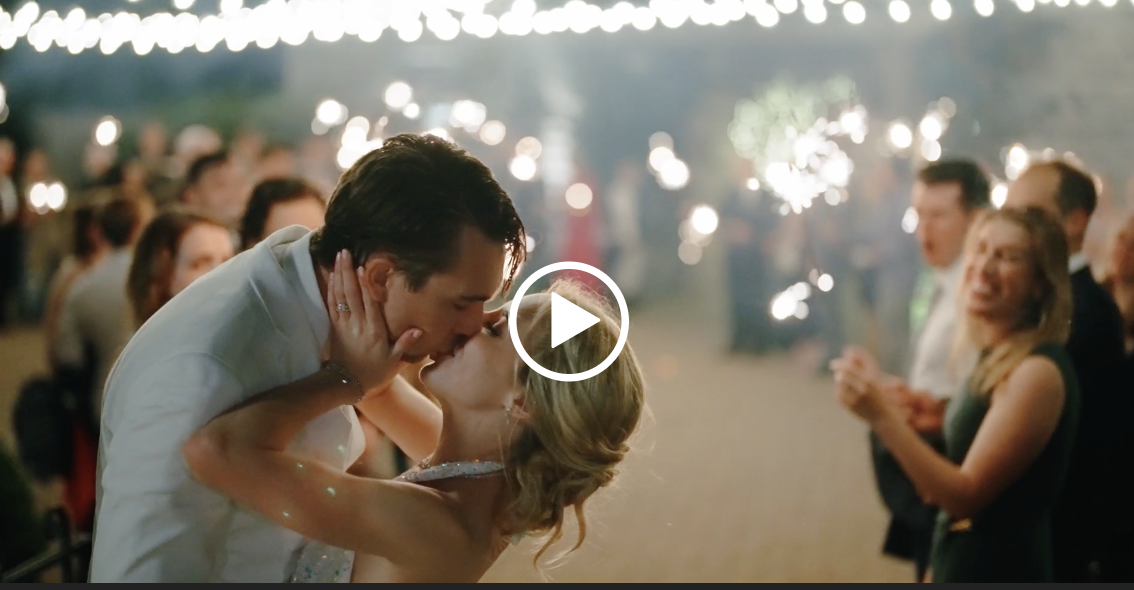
(508, 414)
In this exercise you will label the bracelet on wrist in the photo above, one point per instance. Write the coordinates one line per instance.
(345, 377)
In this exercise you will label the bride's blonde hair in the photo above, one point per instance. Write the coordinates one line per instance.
(576, 433)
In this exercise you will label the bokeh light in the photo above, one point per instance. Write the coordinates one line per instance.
(523, 167)
(493, 132)
(704, 219)
(899, 11)
(900, 136)
(107, 131)
(398, 95)
(909, 221)
(529, 147)
(331, 112)
(690, 253)
(579, 196)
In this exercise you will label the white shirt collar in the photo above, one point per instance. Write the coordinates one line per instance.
(302, 267)
(950, 275)
(1077, 262)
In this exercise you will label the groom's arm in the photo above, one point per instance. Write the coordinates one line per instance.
(155, 522)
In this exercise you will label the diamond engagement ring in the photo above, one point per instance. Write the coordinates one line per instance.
(343, 308)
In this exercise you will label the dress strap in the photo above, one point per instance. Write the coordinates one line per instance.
(460, 469)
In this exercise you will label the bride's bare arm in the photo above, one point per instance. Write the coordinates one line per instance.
(405, 415)
(242, 455)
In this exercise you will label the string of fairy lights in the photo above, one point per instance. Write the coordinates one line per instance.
(238, 26)
(803, 167)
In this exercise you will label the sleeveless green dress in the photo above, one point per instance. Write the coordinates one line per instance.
(1010, 540)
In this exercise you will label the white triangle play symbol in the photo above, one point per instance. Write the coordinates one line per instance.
(567, 320)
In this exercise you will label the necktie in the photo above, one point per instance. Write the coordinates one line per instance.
(926, 296)
(922, 302)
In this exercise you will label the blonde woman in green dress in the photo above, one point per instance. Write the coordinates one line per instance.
(1009, 434)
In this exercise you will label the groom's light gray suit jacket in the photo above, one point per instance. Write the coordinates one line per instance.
(252, 324)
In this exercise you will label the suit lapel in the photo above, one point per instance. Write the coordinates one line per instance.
(299, 348)
(327, 438)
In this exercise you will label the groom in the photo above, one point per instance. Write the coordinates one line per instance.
(433, 233)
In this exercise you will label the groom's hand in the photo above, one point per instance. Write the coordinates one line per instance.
(360, 340)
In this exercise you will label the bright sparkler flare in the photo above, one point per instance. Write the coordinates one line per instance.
(816, 165)
(792, 133)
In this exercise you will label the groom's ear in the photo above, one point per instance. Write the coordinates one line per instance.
(377, 274)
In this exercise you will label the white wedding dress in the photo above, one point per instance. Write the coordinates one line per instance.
(321, 563)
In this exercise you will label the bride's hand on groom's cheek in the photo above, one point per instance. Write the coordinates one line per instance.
(359, 339)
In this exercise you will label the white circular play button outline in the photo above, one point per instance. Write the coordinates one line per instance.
(623, 333)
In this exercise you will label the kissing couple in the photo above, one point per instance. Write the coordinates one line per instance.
(234, 420)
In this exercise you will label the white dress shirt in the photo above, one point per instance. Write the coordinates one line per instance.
(254, 323)
(933, 370)
(1077, 262)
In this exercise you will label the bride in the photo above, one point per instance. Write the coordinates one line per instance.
(506, 454)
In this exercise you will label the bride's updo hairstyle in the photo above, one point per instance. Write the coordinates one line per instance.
(576, 433)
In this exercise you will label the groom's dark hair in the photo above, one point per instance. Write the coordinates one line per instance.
(410, 199)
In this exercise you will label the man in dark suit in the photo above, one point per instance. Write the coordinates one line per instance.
(946, 197)
(1084, 524)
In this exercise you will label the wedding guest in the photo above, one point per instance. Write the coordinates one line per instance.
(192, 143)
(245, 150)
(1083, 525)
(276, 204)
(93, 321)
(88, 249)
(177, 248)
(1118, 278)
(153, 147)
(947, 197)
(128, 179)
(277, 161)
(46, 233)
(1009, 434)
(749, 221)
(1117, 564)
(214, 186)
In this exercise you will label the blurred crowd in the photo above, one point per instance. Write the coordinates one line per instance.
(137, 233)
(158, 171)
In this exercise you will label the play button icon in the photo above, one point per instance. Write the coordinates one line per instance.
(568, 320)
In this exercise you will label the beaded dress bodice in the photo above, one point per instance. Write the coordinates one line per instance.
(322, 563)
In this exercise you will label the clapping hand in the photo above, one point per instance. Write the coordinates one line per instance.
(920, 410)
(862, 387)
(926, 413)
(360, 339)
